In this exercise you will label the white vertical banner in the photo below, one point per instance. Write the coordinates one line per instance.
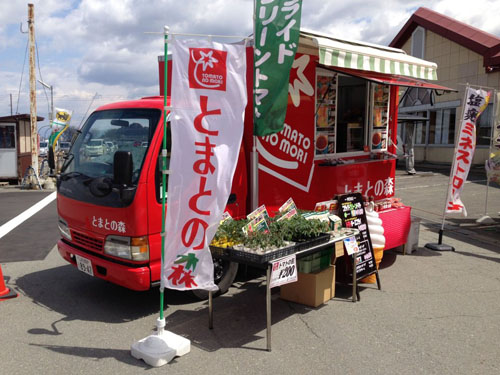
(475, 102)
(208, 103)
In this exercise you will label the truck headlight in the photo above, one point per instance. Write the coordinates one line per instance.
(64, 229)
(134, 248)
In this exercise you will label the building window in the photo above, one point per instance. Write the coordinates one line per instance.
(442, 126)
(483, 127)
(420, 130)
(418, 43)
(7, 136)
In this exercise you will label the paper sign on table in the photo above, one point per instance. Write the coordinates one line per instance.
(288, 206)
(351, 245)
(226, 216)
(283, 271)
(289, 214)
(257, 224)
(258, 212)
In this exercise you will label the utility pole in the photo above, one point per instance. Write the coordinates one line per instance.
(10, 104)
(33, 116)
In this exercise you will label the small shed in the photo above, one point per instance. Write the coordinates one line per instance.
(15, 146)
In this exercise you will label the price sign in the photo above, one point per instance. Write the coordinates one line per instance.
(283, 271)
(351, 245)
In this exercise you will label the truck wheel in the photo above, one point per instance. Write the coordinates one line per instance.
(224, 275)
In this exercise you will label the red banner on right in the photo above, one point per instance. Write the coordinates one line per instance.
(475, 102)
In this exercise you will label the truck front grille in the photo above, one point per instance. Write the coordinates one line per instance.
(87, 242)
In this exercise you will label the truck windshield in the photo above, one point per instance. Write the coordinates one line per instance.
(104, 133)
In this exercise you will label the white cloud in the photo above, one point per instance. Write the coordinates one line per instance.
(89, 46)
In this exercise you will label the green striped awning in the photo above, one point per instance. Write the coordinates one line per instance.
(371, 57)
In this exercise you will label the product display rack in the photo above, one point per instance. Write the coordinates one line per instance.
(326, 113)
(380, 95)
(307, 248)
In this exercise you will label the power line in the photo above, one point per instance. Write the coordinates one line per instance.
(85, 115)
(41, 78)
(21, 81)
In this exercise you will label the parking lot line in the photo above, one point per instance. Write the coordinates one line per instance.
(13, 223)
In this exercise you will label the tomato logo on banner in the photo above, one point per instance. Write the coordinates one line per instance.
(207, 69)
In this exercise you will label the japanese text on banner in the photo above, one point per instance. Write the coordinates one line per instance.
(277, 28)
(208, 102)
(475, 102)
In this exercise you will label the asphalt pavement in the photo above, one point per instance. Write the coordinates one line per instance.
(437, 312)
(34, 238)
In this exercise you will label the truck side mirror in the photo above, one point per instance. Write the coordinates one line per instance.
(123, 167)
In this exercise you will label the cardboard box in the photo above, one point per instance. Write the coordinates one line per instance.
(311, 289)
(339, 249)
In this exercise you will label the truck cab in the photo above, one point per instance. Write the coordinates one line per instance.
(109, 203)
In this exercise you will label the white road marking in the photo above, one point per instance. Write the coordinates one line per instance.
(13, 223)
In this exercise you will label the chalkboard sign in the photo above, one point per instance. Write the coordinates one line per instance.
(352, 213)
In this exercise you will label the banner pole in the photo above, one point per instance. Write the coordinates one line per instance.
(485, 219)
(160, 348)
(254, 155)
(439, 246)
(163, 167)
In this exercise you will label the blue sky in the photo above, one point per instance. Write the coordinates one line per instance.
(89, 47)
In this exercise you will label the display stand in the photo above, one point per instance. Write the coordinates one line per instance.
(267, 266)
(352, 214)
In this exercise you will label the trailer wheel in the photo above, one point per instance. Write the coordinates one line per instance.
(224, 275)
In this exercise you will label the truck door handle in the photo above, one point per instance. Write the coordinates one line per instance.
(232, 198)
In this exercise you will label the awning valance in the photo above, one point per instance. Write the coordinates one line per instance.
(370, 57)
(390, 79)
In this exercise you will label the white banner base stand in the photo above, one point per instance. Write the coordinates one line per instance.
(485, 220)
(160, 348)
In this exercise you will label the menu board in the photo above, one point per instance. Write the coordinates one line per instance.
(326, 111)
(380, 117)
(352, 213)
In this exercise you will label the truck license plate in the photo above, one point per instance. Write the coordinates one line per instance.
(84, 265)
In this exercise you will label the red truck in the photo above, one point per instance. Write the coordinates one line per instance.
(338, 137)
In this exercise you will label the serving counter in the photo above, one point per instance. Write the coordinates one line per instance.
(396, 223)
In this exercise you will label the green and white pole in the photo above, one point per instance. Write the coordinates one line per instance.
(160, 348)
(164, 167)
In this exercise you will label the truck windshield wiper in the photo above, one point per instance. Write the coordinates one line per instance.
(67, 176)
(67, 160)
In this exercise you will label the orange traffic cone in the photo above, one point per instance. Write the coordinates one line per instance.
(5, 293)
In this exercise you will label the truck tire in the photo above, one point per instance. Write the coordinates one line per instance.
(224, 275)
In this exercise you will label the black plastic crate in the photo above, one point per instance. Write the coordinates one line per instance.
(219, 251)
(246, 256)
(262, 258)
(302, 245)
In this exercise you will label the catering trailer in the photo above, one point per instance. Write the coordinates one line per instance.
(338, 137)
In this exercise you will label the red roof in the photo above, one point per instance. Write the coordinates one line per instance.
(481, 42)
